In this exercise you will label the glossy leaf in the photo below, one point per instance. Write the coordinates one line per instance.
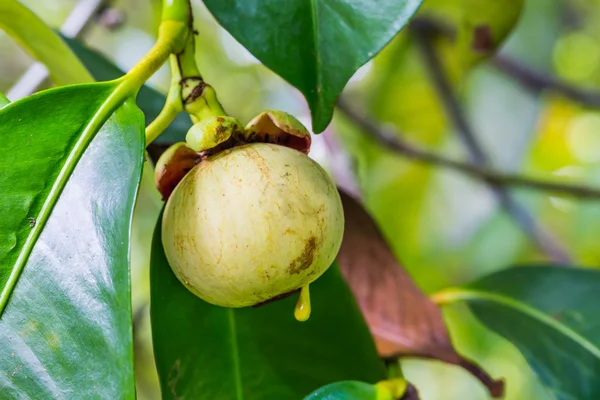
(43, 44)
(149, 100)
(43, 137)
(66, 331)
(208, 352)
(348, 390)
(315, 45)
(551, 315)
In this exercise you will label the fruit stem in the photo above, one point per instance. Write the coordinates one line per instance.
(302, 310)
(199, 98)
(187, 60)
(177, 10)
(171, 35)
(172, 107)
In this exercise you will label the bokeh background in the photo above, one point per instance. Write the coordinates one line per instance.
(445, 228)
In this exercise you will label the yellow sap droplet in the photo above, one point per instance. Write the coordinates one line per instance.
(302, 310)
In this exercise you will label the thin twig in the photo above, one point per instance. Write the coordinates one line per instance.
(390, 139)
(537, 81)
(537, 234)
(37, 73)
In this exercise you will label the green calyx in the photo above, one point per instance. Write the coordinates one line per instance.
(213, 131)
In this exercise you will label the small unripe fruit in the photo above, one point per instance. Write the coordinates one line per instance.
(252, 223)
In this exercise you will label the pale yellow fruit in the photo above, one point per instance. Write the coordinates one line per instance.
(252, 223)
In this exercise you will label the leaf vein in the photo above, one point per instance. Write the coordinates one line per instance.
(237, 375)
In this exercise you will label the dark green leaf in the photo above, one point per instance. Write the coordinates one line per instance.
(66, 331)
(348, 390)
(149, 100)
(552, 315)
(208, 352)
(315, 45)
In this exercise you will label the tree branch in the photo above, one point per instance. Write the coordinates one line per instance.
(537, 234)
(390, 139)
(536, 81)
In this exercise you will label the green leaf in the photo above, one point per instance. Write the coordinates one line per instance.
(208, 352)
(149, 100)
(42, 42)
(347, 390)
(315, 45)
(551, 315)
(66, 331)
(3, 100)
(43, 137)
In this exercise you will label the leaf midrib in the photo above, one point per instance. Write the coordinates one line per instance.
(235, 355)
(461, 294)
(315, 32)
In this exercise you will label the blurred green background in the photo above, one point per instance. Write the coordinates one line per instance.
(445, 228)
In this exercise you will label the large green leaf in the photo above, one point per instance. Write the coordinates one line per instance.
(42, 138)
(316, 45)
(66, 331)
(41, 41)
(149, 100)
(208, 352)
(552, 315)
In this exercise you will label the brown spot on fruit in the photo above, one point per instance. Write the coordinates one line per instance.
(304, 260)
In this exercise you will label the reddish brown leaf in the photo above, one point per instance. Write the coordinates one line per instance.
(402, 319)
